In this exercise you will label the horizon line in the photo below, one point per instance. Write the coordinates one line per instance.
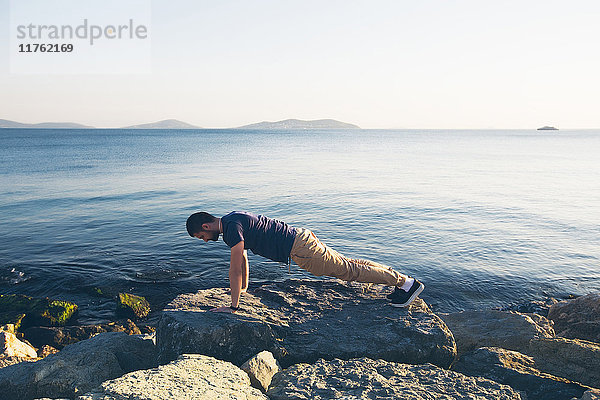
(84, 126)
(91, 128)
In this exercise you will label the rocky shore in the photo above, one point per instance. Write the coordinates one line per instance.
(312, 340)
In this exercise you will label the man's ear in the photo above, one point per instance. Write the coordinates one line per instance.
(205, 227)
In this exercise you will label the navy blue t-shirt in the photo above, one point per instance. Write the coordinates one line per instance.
(264, 236)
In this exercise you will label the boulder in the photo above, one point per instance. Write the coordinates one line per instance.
(572, 359)
(189, 377)
(24, 311)
(132, 306)
(10, 346)
(302, 321)
(261, 369)
(577, 319)
(59, 337)
(492, 328)
(592, 394)
(375, 379)
(13, 351)
(78, 367)
(518, 371)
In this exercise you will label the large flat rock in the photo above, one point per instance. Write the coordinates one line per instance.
(377, 379)
(302, 321)
(189, 377)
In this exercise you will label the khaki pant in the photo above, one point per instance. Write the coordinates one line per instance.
(318, 259)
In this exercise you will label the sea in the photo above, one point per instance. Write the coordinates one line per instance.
(484, 218)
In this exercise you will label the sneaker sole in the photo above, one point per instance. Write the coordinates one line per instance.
(410, 299)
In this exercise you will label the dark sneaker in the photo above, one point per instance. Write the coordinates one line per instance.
(400, 298)
(393, 294)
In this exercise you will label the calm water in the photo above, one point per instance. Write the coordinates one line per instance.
(484, 218)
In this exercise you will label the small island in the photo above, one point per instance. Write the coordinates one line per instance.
(547, 128)
(4, 123)
(164, 124)
(301, 124)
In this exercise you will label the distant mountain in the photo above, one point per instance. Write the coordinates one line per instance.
(164, 124)
(547, 128)
(4, 123)
(301, 124)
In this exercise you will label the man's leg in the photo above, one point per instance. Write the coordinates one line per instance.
(314, 256)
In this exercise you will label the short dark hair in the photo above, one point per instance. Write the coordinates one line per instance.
(195, 221)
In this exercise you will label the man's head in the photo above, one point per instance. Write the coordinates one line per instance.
(203, 226)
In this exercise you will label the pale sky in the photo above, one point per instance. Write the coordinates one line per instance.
(377, 64)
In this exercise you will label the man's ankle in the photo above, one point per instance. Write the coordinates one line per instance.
(408, 282)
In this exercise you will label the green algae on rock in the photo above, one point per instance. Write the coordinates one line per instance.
(59, 311)
(24, 311)
(132, 306)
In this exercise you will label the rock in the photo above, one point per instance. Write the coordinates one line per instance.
(592, 394)
(543, 323)
(261, 369)
(302, 321)
(59, 337)
(491, 328)
(6, 361)
(375, 379)
(577, 319)
(24, 311)
(147, 329)
(10, 346)
(518, 371)
(52, 336)
(46, 350)
(48, 398)
(539, 307)
(8, 328)
(190, 377)
(78, 368)
(128, 326)
(572, 359)
(132, 306)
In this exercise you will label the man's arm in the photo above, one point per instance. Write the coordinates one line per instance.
(245, 271)
(236, 274)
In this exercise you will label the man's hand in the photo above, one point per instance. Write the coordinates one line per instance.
(222, 309)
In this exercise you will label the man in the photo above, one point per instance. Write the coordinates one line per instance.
(281, 242)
